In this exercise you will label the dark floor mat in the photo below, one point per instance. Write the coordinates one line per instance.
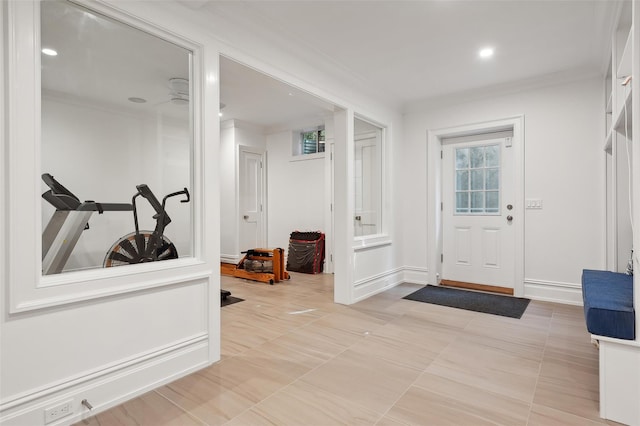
(506, 306)
(230, 300)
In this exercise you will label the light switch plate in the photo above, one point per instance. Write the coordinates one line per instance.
(533, 203)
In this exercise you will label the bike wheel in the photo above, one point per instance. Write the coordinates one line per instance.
(130, 250)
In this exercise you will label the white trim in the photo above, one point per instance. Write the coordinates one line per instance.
(101, 291)
(27, 288)
(343, 208)
(619, 369)
(503, 89)
(383, 235)
(307, 157)
(328, 206)
(434, 192)
(375, 284)
(112, 385)
(623, 342)
(416, 275)
(371, 241)
(229, 258)
(3, 176)
(553, 291)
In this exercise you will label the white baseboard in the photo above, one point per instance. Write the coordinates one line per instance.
(369, 286)
(416, 275)
(550, 291)
(109, 387)
(229, 258)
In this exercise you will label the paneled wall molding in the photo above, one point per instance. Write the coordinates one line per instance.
(378, 283)
(28, 289)
(110, 385)
(105, 334)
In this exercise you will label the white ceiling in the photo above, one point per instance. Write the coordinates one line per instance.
(399, 51)
(411, 50)
(254, 97)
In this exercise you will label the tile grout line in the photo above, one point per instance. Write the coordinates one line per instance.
(187, 412)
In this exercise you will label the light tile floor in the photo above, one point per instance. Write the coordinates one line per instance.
(290, 356)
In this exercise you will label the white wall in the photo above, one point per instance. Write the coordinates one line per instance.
(233, 134)
(108, 335)
(564, 166)
(101, 154)
(228, 188)
(296, 188)
(110, 347)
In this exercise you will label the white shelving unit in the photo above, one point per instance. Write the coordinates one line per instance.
(620, 359)
(618, 108)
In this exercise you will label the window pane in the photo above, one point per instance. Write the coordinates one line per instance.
(477, 202)
(477, 157)
(492, 201)
(103, 145)
(462, 158)
(309, 142)
(462, 202)
(492, 155)
(462, 180)
(368, 179)
(477, 179)
(492, 179)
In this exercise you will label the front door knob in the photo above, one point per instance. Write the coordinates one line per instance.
(509, 218)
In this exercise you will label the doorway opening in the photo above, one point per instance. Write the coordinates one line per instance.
(273, 182)
(476, 180)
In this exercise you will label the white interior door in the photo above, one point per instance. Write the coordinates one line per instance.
(478, 215)
(251, 199)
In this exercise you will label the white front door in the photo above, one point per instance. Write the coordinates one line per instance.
(251, 194)
(478, 212)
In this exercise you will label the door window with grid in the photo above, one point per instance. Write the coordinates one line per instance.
(477, 180)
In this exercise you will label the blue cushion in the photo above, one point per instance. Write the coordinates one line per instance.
(608, 304)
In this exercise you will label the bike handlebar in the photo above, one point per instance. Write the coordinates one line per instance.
(144, 190)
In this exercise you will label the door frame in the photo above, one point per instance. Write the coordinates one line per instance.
(435, 231)
(263, 189)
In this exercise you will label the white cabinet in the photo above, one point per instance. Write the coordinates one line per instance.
(620, 359)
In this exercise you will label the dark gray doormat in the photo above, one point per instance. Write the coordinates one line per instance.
(230, 300)
(506, 306)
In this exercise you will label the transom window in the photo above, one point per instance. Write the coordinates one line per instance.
(477, 181)
(312, 142)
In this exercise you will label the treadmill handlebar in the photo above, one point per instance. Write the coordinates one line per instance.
(63, 199)
(57, 189)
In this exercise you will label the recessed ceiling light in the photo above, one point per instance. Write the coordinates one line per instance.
(137, 100)
(49, 52)
(487, 52)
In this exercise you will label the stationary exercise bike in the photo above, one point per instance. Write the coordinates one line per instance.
(72, 216)
(145, 246)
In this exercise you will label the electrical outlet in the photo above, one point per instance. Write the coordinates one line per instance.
(59, 411)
